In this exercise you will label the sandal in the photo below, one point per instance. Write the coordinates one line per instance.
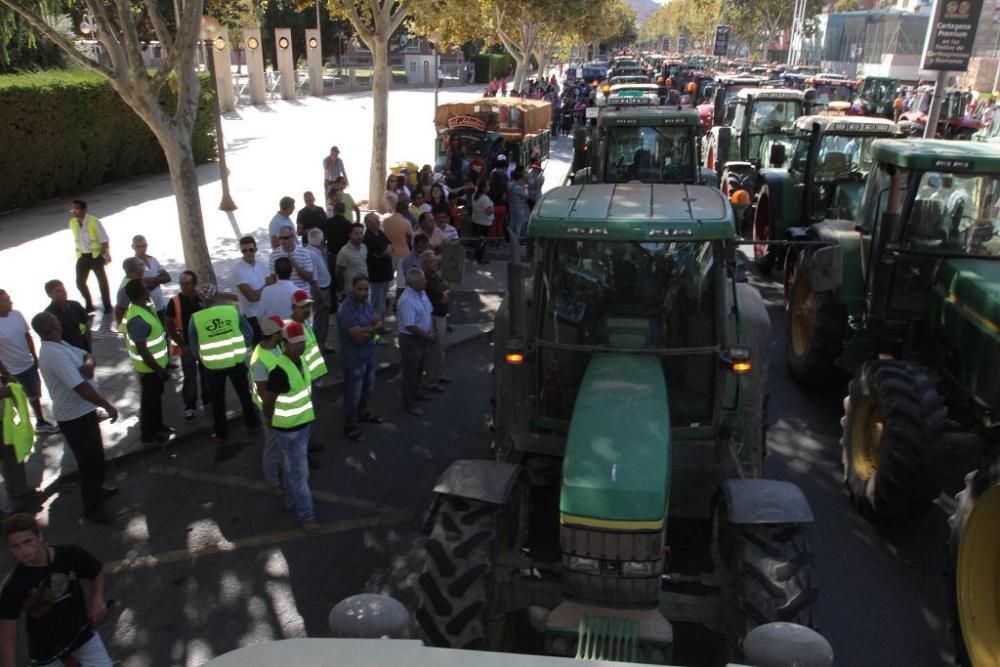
(369, 418)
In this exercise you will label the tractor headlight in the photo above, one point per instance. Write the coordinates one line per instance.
(586, 565)
(631, 568)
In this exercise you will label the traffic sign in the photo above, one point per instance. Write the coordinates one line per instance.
(682, 43)
(721, 40)
(950, 35)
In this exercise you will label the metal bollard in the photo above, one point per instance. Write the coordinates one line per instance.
(368, 616)
(786, 645)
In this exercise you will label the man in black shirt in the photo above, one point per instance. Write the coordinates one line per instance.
(71, 315)
(45, 584)
(179, 310)
(380, 271)
(338, 233)
(309, 217)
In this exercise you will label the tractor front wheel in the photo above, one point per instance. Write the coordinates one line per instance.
(767, 571)
(817, 323)
(974, 567)
(891, 439)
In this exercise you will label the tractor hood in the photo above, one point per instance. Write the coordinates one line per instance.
(967, 314)
(616, 471)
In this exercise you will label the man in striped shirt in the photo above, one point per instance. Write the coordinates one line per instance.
(301, 259)
(416, 335)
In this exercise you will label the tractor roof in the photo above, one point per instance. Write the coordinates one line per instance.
(848, 125)
(646, 115)
(939, 155)
(771, 94)
(633, 212)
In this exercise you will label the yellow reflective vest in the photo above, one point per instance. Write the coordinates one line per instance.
(220, 340)
(294, 408)
(156, 342)
(270, 359)
(17, 429)
(313, 356)
(95, 243)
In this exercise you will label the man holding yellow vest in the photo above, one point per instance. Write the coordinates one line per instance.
(288, 411)
(92, 253)
(220, 337)
(18, 438)
(147, 348)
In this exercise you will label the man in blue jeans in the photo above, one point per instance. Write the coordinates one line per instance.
(288, 410)
(359, 328)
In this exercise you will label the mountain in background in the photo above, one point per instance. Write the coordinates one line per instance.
(643, 8)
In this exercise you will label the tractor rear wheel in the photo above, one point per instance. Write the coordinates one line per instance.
(817, 323)
(974, 567)
(458, 600)
(891, 439)
(767, 570)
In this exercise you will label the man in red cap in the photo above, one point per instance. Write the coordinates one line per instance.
(313, 356)
(288, 410)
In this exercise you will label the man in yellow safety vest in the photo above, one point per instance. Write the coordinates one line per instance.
(262, 362)
(148, 350)
(220, 337)
(17, 440)
(92, 253)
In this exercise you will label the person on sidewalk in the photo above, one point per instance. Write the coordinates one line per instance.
(251, 277)
(281, 220)
(45, 584)
(482, 219)
(288, 410)
(220, 337)
(352, 260)
(262, 362)
(134, 269)
(400, 234)
(338, 194)
(180, 308)
(437, 293)
(147, 348)
(18, 359)
(313, 354)
(15, 445)
(302, 263)
(92, 252)
(379, 261)
(416, 335)
(322, 296)
(276, 298)
(430, 229)
(333, 169)
(72, 316)
(359, 327)
(153, 274)
(69, 375)
(310, 216)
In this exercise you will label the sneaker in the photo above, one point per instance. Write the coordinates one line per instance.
(101, 414)
(189, 415)
(45, 427)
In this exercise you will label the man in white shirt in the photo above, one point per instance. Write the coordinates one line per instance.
(154, 275)
(69, 374)
(281, 219)
(322, 305)
(18, 359)
(92, 252)
(251, 277)
(276, 299)
(302, 263)
(416, 335)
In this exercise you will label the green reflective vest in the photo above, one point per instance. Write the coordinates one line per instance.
(270, 359)
(17, 430)
(220, 340)
(156, 342)
(294, 407)
(95, 243)
(313, 356)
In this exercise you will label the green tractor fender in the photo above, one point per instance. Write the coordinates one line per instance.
(753, 501)
(779, 204)
(845, 279)
(478, 479)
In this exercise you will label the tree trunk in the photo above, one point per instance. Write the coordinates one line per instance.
(520, 71)
(380, 122)
(180, 160)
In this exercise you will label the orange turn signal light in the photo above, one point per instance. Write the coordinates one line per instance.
(515, 358)
(740, 198)
(742, 367)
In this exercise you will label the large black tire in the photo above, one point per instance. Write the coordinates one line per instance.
(817, 325)
(971, 589)
(767, 570)
(891, 439)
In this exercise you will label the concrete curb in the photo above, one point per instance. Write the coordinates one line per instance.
(197, 433)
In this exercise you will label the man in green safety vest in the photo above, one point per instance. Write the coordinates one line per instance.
(220, 337)
(262, 362)
(288, 411)
(148, 350)
(18, 439)
(92, 253)
(301, 313)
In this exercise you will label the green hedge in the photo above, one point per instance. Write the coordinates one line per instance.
(67, 131)
(489, 65)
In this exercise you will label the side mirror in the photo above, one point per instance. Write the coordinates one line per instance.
(810, 96)
(778, 155)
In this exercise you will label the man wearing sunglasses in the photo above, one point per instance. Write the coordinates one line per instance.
(251, 277)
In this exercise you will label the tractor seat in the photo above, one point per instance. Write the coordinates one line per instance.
(833, 167)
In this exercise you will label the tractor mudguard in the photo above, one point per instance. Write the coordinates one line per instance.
(478, 479)
(765, 501)
(844, 233)
(783, 204)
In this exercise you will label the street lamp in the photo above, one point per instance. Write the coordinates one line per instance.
(211, 33)
(435, 37)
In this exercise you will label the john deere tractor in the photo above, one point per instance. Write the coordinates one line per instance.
(625, 494)
(907, 298)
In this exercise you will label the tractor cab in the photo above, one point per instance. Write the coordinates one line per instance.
(875, 96)
(954, 123)
(830, 89)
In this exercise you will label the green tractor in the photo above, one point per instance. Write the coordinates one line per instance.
(631, 375)
(632, 139)
(907, 298)
(822, 176)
